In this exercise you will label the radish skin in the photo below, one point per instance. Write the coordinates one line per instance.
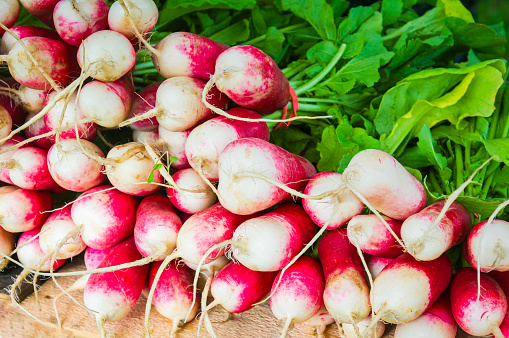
(426, 244)
(31, 169)
(377, 264)
(24, 31)
(406, 287)
(143, 101)
(175, 143)
(9, 13)
(23, 210)
(194, 196)
(7, 156)
(143, 13)
(493, 247)
(7, 244)
(245, 163)
(385, 184)
(141, 136)
(42, 9)
(320, 321)
(5, 122)
(30, 254)
(349, 330)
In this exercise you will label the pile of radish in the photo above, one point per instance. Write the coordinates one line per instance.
(202, 192)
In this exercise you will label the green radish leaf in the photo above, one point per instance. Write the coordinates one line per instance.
(427, 145)
(498, 148)
(158, 166)
(232, 34)
(150, 177)
(391, 11)
(317, 12)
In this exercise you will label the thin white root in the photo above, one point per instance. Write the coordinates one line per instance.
(355, 327)
(372, 324)
(99, 320)
(497, 333)
(208, 324)
(75, 287)
(151, 113)
(286, 328)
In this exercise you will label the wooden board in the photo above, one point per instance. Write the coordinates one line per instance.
(255, 323)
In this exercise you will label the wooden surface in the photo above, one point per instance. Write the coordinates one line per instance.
(257, 322)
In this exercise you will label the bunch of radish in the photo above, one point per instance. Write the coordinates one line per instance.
(237, 209)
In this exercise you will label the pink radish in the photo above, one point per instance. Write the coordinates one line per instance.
(437, 321)
(299, 295)
(66, 113)
(143, 13)
(54, 238)
(31, 99)
(9, 99)
(72, 169)
(30, 254)
(108, 103)
(7, 156)
(426, 241)
(157, 226)
(192, 55)
(42, 9)
(492, 249)
(128, 168)
(173, 295)
(37, 129)
(94, 257)
(30, 169)
(5, 122)
(23, 210)
(175, 143)
(194, 195)
(112, 295)
(371, 235)
(502, 278)
(385, 184)
(247, 170)
(24, 31)
(9, 13)
(179, 105)
(346, 294)
(478, 315)
(7, 244)
(320, 321)
(107, 216)
(75, 20)
(337, 208)
(377, 264)
(141, 136)
(48, 53)
(207, 141)
(144, 101)
(406, 288)
(251, 79)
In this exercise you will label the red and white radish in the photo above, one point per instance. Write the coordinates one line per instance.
(7, 244)
(143, 101)
(406, 288)
(5, 158)
(478, 315)
(42, 9)
(486, 246)
(107, 216)
(128, 168)
(5, 122)
(371, 235)
(23, 210)
(10, 99)
(377, 264)
(247, 170)
(9, 13)
(425, 240)
(30, 169)
(437, 321)
(143, 13)
(175, 143)
(192, 55)
(346, 294)
(157, 226)
(35, 131)
(207, 141)
(194, 194)
(320, 321)
(141, 136)
(75, 20)
(23, 31)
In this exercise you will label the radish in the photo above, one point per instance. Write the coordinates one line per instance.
(502, 278)
(32, 100)
(337, 208)
(371, 235)
(346, 294)
(157, 226)
(207, 141)
(11, 101)
(437, 321)
(299, 295)
(425, 241)
(377, 177)
(320, 321)
(5, 122)
(30, 169)
(193, 194)
(175, 143)
(94, 257)
(124, 13)
(173, 294)
(406, 287)
(7, 156)
(192, 55)
(7, 244)
(9, 13)
(42, 9)
(23, 210)
(478, 315)
(247, 170)
(141, 136)
(128, 167)
(112, 295)
(351, 332)
(67, 113)
(107, 216)
(143, 101)
(108, 103)
(179, 105)
(55, 233)
(54, 57)
(493, 246)
(376, 265)
(35, 131)
(75, 20)
(72, 169)
(23, 31)
(251, 79)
